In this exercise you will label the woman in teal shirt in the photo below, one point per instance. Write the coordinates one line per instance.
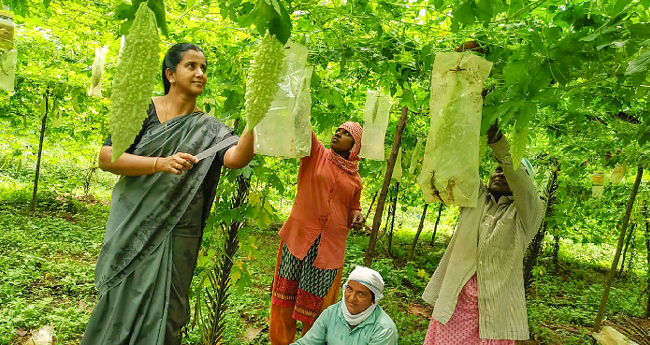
(357, 319)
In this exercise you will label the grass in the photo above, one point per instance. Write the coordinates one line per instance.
(48, 257)
(47, 260)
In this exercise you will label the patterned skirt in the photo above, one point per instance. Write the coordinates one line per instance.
(300, 285)
(462, 328)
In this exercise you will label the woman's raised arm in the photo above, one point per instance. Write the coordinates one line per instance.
(241, 154)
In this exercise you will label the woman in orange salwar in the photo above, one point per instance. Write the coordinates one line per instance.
(310, 259)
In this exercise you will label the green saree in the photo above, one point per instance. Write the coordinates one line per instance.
(153, 236)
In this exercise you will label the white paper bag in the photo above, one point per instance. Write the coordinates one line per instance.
(95, 89)
(285, 131)
(451, 157)
(375, 123)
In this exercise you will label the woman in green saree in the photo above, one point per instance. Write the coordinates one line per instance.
(159, 208)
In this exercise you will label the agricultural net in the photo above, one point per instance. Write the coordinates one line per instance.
(451, 157)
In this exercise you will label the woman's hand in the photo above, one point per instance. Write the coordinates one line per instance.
(357, 220)
(175, 164)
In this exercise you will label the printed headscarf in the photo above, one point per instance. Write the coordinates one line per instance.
(350, 165)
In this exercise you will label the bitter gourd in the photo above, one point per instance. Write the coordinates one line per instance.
(134, 80)
(415, 157)
(263, 77)
(518, 141)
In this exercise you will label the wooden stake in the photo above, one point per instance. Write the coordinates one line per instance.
(46, 98)
(376, 222)
(417, 234)
(619, 247)
(435, 226)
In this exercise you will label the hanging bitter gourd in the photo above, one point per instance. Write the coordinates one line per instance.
(375, 108)
(95, 89)
(415, 157)
(263, 77)
(134, 80)
(518, 141)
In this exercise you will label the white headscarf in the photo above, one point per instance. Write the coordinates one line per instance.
(374, 282)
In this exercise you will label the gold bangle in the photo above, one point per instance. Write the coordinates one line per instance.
(153, 168)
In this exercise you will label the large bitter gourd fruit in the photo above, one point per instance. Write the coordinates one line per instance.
(134, 80)
(518, 141)
(263, 77)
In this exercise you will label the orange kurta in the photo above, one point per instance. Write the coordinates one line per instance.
(326, 199)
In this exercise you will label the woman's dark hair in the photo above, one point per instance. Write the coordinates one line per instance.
(173, 58)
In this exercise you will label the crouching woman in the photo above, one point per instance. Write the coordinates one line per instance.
(357, 319)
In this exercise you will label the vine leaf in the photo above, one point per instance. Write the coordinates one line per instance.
(619, 7)
(271, 16)
(639, 64)
(465, 13)
(513, 71)
(125, 11)
(484, 11)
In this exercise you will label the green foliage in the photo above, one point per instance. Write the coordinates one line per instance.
(574, 74)
(266, 15)
(48, 260)
(127, 13)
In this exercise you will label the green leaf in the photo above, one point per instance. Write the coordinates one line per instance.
(55, 117)
(553, 33)
(125, 26)
(19, 6)
(644, 138)
(503, 112)
(591, 36)
(273, 18)
(559, 72)
(465, 13)
(576, 104)
(124, 11)
(547, 97)
(276, 183)
(536, 42)
(281, 27)
(639, 64)
(190, 3)
(158, 8)
(484, 10)
(43, 107)
(276, 6)
(514, 71)
(619, 7)
(454, 26)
